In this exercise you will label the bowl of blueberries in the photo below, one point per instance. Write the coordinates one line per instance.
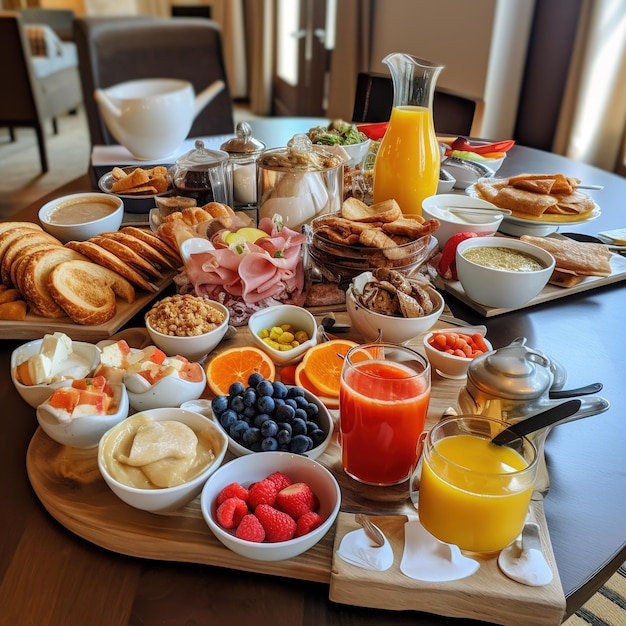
(266, 416)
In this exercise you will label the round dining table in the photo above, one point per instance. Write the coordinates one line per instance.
(49, 575)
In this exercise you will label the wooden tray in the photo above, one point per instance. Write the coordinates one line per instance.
(549, 292)
(69, 485)
(35, 326)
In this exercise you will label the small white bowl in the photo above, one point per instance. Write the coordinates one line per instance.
(87, 353)
(467, 172)
(169, 498)
(299, 318)
(497, 287)
(169, 391)
(83, 432)
(446, 182)
(445, 364)
(356, 152)
(324, 420)
(438, 207)
(394, 329)
(252, 468)
(68, 218)
(194, 348)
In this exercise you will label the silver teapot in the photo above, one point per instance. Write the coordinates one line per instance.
(515, 382)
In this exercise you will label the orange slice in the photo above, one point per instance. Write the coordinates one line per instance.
(302, 380)
(322, 364)
(237, 364)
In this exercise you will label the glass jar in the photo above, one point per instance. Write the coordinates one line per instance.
(243, 155)
(203, 174)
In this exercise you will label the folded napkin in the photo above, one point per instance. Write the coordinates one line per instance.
(357, 549)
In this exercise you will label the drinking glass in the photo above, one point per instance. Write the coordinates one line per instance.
(471, 492)
(383, 401)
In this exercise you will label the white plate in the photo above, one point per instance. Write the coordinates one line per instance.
(518, 226)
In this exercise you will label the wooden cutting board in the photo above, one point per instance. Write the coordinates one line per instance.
(69, 485)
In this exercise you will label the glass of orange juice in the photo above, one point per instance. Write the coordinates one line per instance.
(473, 493)
(383, 401)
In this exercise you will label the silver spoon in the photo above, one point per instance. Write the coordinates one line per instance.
(373, 532)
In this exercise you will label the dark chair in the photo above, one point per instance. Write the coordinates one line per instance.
(453, 113)
(30, 96)
(114, 50)
(60, 20)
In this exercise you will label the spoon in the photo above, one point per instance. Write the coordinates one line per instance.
(462, 210)
(536, 422)
(373, 532)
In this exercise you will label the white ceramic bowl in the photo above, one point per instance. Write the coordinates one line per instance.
(394, 329)
(502, 288)
(467, 172)
(356, 152)
(169, 391)
(445, 364)
(299, 318)
(83, 432)
(438, 207)
(446, 182)
(35, 395)
(75, 225)
(324, 420)
(252, 468)
(193, 348)
(169, 498)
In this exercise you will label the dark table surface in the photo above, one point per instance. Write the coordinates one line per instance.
(50, 576)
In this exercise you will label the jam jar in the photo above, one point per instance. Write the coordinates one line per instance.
(202, 174)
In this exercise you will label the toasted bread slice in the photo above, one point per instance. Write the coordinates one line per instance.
(87, 291)
(33, 280)
(4, 226)
(128, 255)
(8, 236)
(411, 228)
(386, 211)
(154, 241)
(143, 249)
(21, 245)
(104, 258)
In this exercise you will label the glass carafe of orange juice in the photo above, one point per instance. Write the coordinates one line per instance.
(407, 163)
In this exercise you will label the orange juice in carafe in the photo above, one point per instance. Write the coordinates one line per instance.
(407, 165)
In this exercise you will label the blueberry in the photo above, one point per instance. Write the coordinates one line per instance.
(269, 428)
(298, 426)
(278, 401)
(300, 444)
(280, 389)
(265, 388)
(251, 436)
(284, 413)
(269, 444)
(228, 418)
(237, 388)
(250, 412)
(310, 427)
(318, 435)
(301, 402)
(266, 404)
(312, 410)
(283, 437)
(237, 429)
(219, 404)
(295, 392)
(301, 414)
(285, 426)
(291, 402)
(236, 404)
(249, 397)
(254, 379)
(260, 418)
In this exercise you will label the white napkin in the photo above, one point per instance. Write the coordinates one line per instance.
(428, 559)
(357, 549)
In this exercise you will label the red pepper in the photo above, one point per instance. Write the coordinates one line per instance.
(461, 143)
(447, 262)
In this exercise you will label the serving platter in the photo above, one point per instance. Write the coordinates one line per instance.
(69, 485)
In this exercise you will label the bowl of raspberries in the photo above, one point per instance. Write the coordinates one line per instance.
(266, 416)
(270, 507)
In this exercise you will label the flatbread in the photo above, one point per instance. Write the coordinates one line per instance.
(522, 201)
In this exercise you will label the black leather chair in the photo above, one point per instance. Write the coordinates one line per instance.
(112, 50)
(453, 113)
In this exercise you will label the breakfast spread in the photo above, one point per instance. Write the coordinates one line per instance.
(538, 196)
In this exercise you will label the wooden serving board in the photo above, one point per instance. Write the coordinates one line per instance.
(69, 485)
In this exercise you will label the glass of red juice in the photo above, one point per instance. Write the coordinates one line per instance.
(383, 401)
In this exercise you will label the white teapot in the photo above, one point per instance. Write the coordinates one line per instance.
(151, 117)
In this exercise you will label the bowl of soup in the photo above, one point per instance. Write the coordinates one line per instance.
(79, 216)
(501, 272)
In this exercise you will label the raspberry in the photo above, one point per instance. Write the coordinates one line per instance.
(233, 490)
(231, 512)
(278, 526)
(250, 529)
(296, 500)
(281, 480)
(262, 492)
(307, 522)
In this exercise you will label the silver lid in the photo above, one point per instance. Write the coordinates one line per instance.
(201, 157)
(244, 143)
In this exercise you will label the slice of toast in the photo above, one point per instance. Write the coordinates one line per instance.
(128, 255)
(87, 291)
(154, 241)
(356, 210)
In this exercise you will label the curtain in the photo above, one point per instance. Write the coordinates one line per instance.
(592, 124)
